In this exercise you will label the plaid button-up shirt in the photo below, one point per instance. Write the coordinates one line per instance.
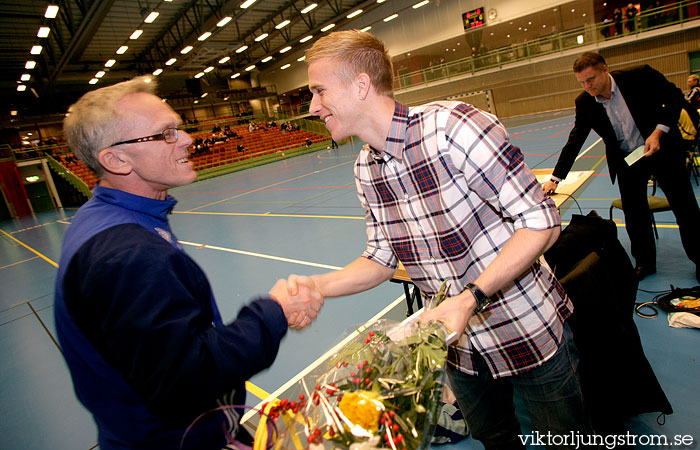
(443, 196)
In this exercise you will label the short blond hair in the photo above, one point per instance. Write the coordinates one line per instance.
(356, 52)
(695, 78)
(93, 123)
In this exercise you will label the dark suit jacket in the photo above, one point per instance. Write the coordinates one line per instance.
(651, 99)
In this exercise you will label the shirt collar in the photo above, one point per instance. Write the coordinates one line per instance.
(152, 207)
(394, 144)
(613, 91)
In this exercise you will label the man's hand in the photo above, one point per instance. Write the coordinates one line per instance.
(454, 312)
(653, 142)
(550, 187)
(300, 302)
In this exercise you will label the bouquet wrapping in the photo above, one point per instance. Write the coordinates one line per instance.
(381, 390)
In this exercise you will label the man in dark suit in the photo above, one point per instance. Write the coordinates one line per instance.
(629, 109)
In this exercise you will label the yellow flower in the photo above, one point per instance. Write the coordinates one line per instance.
(362, 408)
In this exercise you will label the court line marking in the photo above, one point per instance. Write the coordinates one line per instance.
(295, 379)
(256, 390)
(18, 262)
(260, 255)
(30, 249)
(270, 185)
(305, 216)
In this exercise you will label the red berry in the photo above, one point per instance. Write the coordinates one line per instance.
(367, 380)
(395, 428)
(392, 414)
(283, 402)
(302, 397)
(371, 333)
(318, 387)
(368, 370)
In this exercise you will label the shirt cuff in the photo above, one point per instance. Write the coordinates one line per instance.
(663, 128)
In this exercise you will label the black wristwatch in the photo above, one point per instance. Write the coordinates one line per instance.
(482, 300)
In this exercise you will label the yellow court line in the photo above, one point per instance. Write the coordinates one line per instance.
(256, 391)
(30, 249)
(306, 216)
(269, 186)
(18, 262)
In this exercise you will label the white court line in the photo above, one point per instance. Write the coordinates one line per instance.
(589, 148)
(261, 255)
(321, 359)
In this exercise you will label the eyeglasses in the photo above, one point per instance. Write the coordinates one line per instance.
(169, 135)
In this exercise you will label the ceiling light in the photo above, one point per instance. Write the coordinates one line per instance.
(249, 68)
(205, 94)
(309, 8)
(419, 4)
(25, 77)
(302, 58)
(579, 39)
(235, 75)
(247, 3)
(286, 66)
(224, 59)
(147, 80)
(208, 69)
(199, 75)
(306, 38)
(43, 32)
(354, 14)
(51, 12)
(261, 37)
(151, 17)
(36, 49)
(186, 50)
(367, 28)
(93, 81)
(136, 34)
(286, 49)
(121, 50)
(195, 102)
(282, 24)
(391, 17)
(381, 1)
(241, 49)
(204, 36)
(21, 87)
(170, 62)
(266, 59)
(224, 21)
(327, 27)
(157, 72)
(225, 98)
(30, 65)
(110, 62)
(100, 74)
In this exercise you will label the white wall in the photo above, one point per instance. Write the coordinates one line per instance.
(414, 28)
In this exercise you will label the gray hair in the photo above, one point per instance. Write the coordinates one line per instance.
(93, 123)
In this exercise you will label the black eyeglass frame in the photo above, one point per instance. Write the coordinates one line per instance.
(154, 137)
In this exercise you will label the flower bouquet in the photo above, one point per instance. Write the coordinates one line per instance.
(381, 390)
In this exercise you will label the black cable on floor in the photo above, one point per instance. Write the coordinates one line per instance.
(664, 301)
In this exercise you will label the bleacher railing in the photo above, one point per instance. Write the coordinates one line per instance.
(69, 176)
(651, 19)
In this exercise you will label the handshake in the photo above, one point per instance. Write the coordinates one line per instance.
(300, 299)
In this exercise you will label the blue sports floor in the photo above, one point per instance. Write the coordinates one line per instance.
(248, 229)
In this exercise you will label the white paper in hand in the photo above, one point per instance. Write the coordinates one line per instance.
(635, 156)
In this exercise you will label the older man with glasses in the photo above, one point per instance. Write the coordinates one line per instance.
(135, 316)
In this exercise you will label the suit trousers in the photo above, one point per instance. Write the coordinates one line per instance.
(668, 168)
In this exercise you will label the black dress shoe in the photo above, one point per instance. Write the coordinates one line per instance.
(643, 271)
